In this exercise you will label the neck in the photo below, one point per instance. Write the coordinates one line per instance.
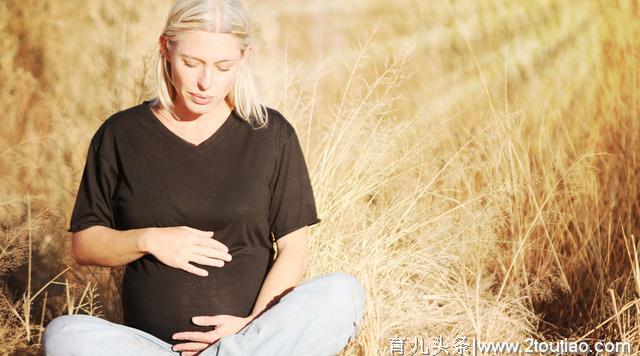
(182, 114)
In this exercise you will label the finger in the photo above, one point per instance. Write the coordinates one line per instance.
(195, 270)
(190, 346)
(194, 336)
(204, 260)
(212, 253)
(207, 320)
(210, 242)
(190, 353)
(199, 232)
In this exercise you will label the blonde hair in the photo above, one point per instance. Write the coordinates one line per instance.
(217, 16)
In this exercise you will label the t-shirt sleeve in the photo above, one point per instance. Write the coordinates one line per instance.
(93, 205)
(292, 201)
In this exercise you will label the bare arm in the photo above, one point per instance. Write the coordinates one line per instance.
(174, 246)
(104, 246)
(287, 270)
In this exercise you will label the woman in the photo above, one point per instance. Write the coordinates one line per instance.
(190, 191)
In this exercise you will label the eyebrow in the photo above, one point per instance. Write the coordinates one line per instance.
(200, 60)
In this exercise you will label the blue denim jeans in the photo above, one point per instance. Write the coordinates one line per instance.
(317, 317)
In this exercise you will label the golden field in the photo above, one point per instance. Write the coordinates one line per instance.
(474, 163)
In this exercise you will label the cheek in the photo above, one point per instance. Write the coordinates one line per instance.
(229, 80)
(228, 83)
(189, 80)
(183, 76)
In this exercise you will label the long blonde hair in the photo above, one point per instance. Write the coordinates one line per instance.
(221, 16)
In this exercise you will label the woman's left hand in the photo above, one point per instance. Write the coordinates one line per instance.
(225, 325)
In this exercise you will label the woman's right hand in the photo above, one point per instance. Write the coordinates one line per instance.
(176, 246)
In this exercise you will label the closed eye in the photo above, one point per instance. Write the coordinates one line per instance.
(191, 65)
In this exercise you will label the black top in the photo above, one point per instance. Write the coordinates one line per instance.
(249, 186)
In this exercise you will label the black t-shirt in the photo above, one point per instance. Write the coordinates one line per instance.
(249, 186)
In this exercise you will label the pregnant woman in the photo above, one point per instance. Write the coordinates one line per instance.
(191, 190)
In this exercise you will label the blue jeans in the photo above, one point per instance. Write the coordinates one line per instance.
(317, 317)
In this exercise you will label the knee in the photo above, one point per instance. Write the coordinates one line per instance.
(337, 290)
(62, 331)
(349, 296)
(56, 332)
(344, 284)
(58, 326)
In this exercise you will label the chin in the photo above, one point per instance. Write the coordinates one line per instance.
(197, 108)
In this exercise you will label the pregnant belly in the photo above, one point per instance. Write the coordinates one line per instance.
(161, 300)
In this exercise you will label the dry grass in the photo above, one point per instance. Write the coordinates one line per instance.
(475, 163)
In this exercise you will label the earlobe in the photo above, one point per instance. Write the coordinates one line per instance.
(163, 53)
(247, 53)
(165, 56)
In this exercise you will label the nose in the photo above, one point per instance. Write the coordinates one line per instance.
(206, 79)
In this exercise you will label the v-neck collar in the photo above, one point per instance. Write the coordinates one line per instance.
(228, 123)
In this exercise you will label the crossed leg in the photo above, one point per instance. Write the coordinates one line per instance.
(318, 317)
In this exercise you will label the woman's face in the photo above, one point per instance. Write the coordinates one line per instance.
(204, 67)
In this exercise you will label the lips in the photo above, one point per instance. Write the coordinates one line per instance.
(201, 96)
(199, 99)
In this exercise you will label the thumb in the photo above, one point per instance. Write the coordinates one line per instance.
(206, 320)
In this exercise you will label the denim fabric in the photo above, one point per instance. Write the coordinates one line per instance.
(318, 317)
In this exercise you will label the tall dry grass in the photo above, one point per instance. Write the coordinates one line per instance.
(474, 163)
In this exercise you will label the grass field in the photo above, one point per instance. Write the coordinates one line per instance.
(475, 163)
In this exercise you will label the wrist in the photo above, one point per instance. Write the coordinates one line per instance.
(144, 245)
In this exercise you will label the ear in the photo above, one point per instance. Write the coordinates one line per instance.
(247, 54)
(164, 46)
